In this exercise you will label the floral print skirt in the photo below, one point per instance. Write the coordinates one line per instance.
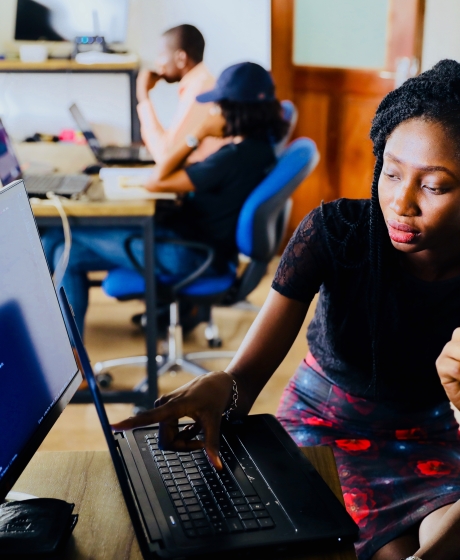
(395, 468)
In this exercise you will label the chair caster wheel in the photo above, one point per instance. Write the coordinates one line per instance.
(140, 320)
(215, 343)
(139, 410)
(104, 380)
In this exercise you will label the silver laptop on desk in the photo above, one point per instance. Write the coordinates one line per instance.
(38, 372)
(68, 185)
(109, 154)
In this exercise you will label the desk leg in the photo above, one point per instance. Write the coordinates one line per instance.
(135, 124)
(151, 305)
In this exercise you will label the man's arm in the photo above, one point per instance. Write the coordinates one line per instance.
(168, 175)
(178, 182)
(152, 132)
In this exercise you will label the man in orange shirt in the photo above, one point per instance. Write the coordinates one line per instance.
(180, 60)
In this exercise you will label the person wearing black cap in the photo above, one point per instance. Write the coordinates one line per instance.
(213, 191)
(246, 111)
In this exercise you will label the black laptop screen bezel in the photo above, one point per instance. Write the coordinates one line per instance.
(27, 452)
(120, 471)
(12, 153)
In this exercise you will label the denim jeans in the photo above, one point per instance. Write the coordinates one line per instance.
(104, 249)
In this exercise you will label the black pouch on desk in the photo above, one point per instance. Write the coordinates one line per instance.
(37, 528)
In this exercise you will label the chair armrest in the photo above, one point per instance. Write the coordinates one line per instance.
(206, 249)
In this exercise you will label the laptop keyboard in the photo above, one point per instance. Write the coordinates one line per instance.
(121, 152)
(208, 501)
(68, 184)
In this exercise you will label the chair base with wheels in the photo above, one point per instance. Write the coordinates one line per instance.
(199, 292)
(174, 360)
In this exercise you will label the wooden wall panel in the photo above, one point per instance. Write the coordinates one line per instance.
(356, 160)
(339, 81)
(336, 107)
(313, 122)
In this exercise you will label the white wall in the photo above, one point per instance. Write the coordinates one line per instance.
(441, 33)
(234, 31)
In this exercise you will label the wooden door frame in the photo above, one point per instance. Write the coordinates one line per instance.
(405, 31)
(405, 38)
(282, 46)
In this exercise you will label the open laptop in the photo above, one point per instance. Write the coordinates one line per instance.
(38, 372)
(267, 497)
(109, 154)
(69, 185)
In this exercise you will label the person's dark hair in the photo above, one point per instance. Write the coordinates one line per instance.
(435, 97)
(262, 120)
(189, 39)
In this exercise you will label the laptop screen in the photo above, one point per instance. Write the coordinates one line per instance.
(84, 126)
(9, 164)
(36, 359)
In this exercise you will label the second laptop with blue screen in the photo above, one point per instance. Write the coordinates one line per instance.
(268, 495)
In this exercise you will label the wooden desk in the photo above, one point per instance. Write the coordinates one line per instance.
(104, 213)
(94, 211)
(63, 66)
(104, 530)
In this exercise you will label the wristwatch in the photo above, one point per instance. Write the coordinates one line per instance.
(412, 558)
(192, 141)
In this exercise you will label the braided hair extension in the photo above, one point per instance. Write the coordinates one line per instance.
(433, 96)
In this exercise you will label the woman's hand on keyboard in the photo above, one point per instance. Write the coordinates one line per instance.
(204, 399)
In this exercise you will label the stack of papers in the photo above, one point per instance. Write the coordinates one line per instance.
(127, 183)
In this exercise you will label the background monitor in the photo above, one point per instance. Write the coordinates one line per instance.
(63, 20)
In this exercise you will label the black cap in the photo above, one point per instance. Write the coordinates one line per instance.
(244, 83)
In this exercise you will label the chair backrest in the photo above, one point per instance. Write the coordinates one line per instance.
(290, 115)
(262, 217)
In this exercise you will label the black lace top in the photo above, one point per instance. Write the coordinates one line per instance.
(329, 253)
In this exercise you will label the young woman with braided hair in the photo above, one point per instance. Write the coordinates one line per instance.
(383, 362)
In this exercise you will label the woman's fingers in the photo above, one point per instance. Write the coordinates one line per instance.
(203, 399)
(167, 433)
(211, 428)
(450, 379)
(448, 366)
(189, 431)
(184, 441)
(160, 414)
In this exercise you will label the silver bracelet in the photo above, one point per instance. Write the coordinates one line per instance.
(412, 558)
(234, 400)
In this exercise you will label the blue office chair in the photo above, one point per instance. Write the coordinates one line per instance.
(261, 226)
